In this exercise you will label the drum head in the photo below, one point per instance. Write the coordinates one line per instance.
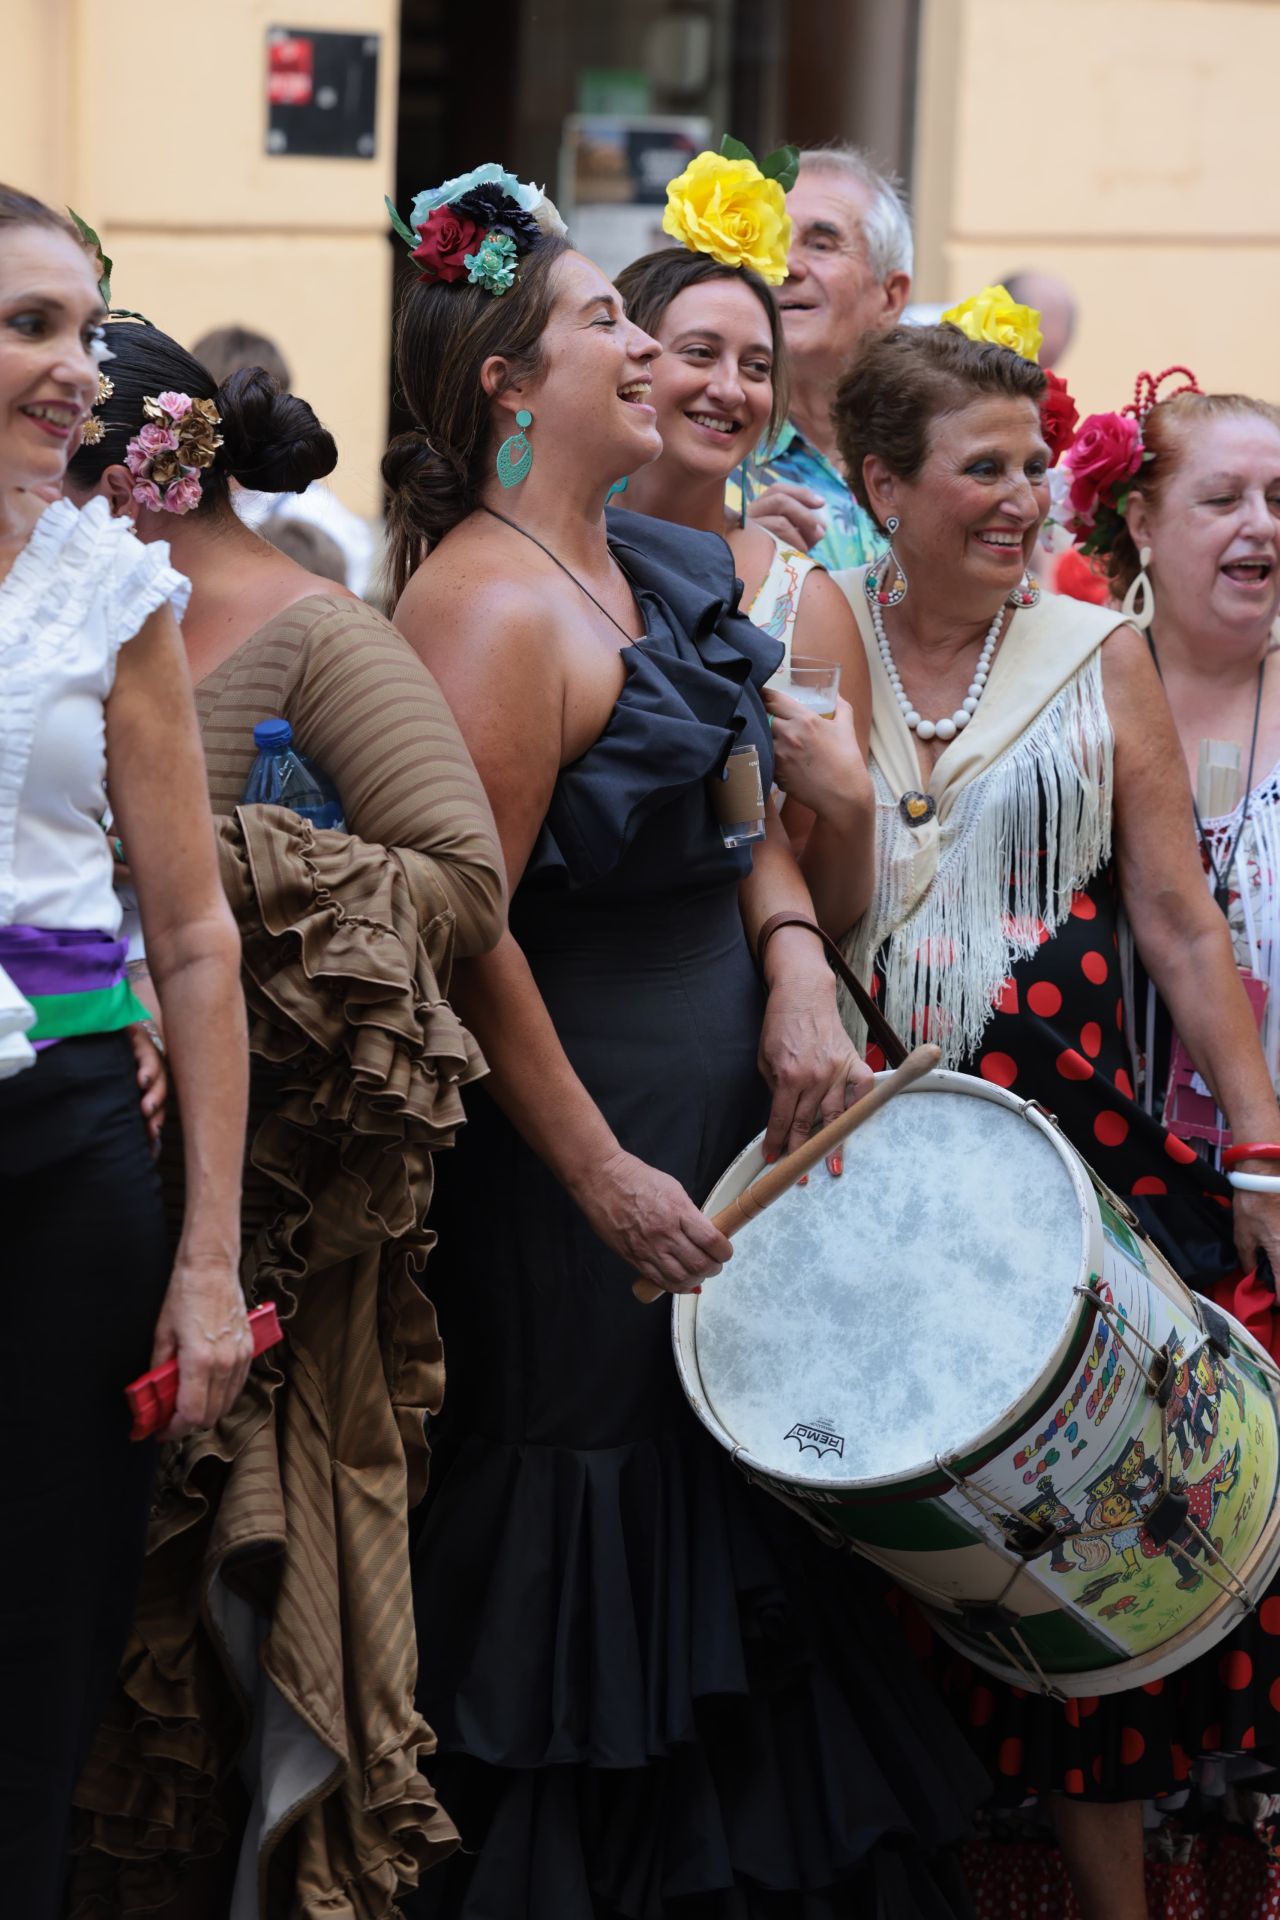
(866, 1324)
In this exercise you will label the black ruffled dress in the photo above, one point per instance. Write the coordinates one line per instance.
(658, 1696)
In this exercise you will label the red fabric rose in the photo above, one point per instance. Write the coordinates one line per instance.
(1105, 453)
(1058, 416)
(444, 238)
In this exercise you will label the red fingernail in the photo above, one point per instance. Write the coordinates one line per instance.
(803, 1181)
(769, 1157)
(837, 1163)
(696, 1289)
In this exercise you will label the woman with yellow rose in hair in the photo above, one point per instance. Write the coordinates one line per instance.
(725, 205)
(719, 387)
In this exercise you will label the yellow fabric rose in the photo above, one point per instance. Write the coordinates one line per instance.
(727, 209)
(995, 315)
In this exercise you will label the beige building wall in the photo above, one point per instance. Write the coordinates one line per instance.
(1127, 145)
(150, 120)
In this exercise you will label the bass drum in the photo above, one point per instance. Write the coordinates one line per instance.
(964, 1360)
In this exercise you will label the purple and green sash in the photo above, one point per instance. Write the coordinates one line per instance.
(75, 981)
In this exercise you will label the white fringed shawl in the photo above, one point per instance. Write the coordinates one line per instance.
(959, 900)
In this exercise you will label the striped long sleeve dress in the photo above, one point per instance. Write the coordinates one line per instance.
(274, 1638)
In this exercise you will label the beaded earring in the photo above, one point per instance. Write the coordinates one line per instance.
(515, 455)
(1140, 589)
(880, 570)
(1026, 593)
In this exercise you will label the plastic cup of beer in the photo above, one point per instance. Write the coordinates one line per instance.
(813, 683)
(738, 798)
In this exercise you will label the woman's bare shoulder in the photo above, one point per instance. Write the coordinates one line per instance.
(1127, 665)
(463, 590)
(821, 592)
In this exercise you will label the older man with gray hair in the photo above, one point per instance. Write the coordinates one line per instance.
(848, 275)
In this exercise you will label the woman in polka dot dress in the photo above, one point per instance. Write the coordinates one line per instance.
(1208, 514)
(1028, 786)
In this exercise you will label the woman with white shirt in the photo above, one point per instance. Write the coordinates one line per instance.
(92, 1296)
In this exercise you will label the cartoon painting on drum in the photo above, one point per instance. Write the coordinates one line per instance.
(1205, 1496)
(1215, 1379)
(1137, 1476)
(1193, 1419)
(1137, 1551)
(1121, 1499)
(966, 1375)
(1046, 1511)
(1112, 1534)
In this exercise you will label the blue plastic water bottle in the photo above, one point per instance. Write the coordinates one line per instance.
(283, 777)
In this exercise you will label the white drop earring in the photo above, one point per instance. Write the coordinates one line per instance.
(1140, 590)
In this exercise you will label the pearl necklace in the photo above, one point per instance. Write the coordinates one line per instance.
(943, 729)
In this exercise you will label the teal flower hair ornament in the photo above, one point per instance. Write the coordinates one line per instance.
(476, 227)
(493, 267)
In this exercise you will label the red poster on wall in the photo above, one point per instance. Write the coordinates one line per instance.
(291, 63)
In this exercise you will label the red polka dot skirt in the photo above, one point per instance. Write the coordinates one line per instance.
(1057, 1035)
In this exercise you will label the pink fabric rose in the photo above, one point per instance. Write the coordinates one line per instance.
(138, 462)
(147, 494)
(1105, 453)
(180, 496)
(176, 405)
(153, 440)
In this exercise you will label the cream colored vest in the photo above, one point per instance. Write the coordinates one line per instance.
(958, 899)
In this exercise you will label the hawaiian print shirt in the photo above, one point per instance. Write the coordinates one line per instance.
(852, 538)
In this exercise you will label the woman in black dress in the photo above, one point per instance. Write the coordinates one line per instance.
(655, 1693)
(1029, 783)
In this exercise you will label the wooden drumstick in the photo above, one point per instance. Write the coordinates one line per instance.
(765, 1189)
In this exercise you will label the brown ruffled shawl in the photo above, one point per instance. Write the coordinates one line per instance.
(297, 1501)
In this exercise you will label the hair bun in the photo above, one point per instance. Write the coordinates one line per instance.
(272, 441)
(428, 493)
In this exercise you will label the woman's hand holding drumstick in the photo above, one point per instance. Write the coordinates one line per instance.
(764, 1190)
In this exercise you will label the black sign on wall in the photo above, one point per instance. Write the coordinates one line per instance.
(322, 93)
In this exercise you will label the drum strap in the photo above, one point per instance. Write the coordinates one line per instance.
(877, 1026)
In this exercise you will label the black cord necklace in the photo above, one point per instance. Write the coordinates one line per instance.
(1222, 874)
(517, 528)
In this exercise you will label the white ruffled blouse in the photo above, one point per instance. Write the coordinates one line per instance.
(80, 588)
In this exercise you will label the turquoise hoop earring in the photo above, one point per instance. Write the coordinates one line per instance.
(515, 455)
